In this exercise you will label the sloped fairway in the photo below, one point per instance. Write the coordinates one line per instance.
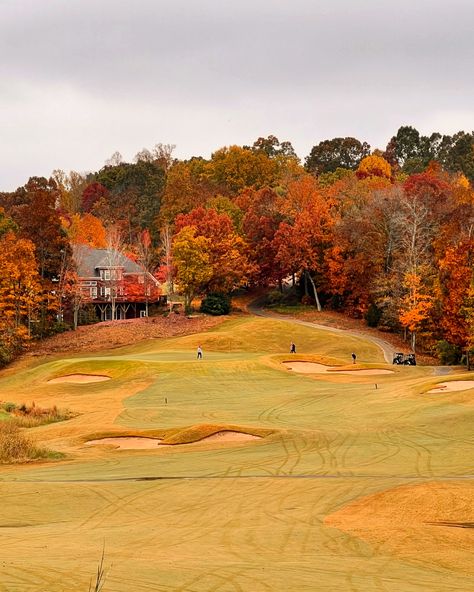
(268, 514)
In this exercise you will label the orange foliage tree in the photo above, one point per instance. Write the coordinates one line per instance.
(227, 251)
(20, 292)
(416, 305)
(457, 280)
(87, 230)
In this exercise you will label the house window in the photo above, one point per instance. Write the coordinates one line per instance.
(106, 274)
(93, 292)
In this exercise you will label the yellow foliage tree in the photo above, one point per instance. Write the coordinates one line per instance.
(374, 166)
(239, 168)
(192, 263)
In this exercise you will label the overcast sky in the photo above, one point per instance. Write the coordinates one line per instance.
(80, 79)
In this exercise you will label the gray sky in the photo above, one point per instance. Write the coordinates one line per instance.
(80, 79)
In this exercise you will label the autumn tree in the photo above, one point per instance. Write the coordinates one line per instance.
(456, 281)
(260, 223)
(147, 258)
(238, 168)
(227, 251)
(87, 230)
(113, 256)
(71, 187)
(185, 190)
(416, 303)
(374, 166)
(92, 195)
(192, 263)
(303, 245)
(21, 293)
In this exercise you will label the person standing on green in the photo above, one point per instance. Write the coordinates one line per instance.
(354, 357)
(199, 352)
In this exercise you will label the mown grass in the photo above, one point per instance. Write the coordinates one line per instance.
(240, 517)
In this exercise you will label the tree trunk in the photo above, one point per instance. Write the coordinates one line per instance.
(318, 304)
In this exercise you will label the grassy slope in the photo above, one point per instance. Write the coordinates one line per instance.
(243, 519)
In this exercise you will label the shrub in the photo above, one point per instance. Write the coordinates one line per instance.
(373, 315)
(216, 304)
(448, 353)
(274, 297)
(6, 355)
(88, 315)
(15, 446)
(307, 300)
(8, 407)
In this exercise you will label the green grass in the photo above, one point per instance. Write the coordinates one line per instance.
(242, 517)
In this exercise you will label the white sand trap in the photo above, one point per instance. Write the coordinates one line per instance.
(314, 368)
(141, 443)
(79, 378)
(454, 385)
(128, 443)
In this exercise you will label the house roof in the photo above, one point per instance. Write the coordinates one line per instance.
(88, 260)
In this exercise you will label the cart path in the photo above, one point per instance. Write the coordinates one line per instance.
(387, 349)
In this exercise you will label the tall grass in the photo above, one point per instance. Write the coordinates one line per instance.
(98, 584)
(30, 416)
(16, 447)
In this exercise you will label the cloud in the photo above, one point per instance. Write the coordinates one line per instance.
(83, 78)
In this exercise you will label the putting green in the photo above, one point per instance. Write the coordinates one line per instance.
(266, 514)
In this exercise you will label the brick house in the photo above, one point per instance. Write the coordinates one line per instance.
(114, 284)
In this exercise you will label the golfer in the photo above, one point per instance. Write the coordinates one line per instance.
(199, 352)
(353, 357)
(292, 348)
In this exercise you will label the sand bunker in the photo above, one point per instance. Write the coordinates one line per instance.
(79, 378)
(141, 443)
(454, 385)
(436, 527)
(127, 443)
(314, 368)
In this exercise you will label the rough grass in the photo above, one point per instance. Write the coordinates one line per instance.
(30, 416)
(16, 447)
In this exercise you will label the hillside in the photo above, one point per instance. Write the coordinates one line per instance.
(109, 335)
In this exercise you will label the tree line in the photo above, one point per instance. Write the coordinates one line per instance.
(384, 235)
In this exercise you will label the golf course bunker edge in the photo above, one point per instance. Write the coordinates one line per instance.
(79, 379)
(150, 443)
(452, 386)
(302, 367)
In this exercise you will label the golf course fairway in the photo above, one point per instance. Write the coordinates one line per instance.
(258, 479)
